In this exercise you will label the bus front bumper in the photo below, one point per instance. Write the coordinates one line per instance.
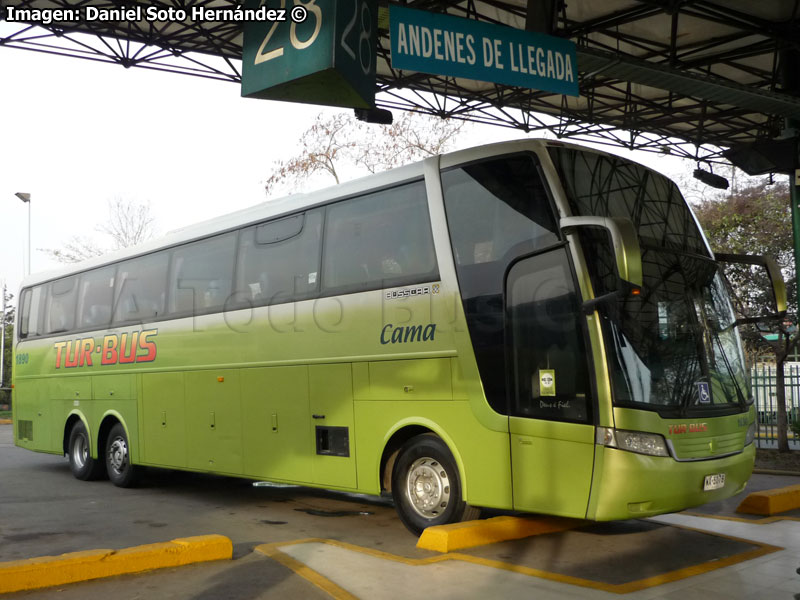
(626, 485)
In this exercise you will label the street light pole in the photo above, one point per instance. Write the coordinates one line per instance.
(26, 198)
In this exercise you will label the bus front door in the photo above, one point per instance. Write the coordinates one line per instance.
(550, 417)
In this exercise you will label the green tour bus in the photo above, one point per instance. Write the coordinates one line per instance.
(529, 325)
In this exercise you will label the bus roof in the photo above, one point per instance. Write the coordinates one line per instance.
(252, 214)
(294, 202)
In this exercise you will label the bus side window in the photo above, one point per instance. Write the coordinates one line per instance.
(25, 314)
(60, 306)
(96, 292)
(35, 318)
(279, 260)
(201, 273)
(141, 288)
(379, 240)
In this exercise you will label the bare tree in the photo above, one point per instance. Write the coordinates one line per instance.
(411, 137)
(75, 249)
(129, 223)
(340, 141)
(322, 146)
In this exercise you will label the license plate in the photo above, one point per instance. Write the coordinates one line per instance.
(714, 482)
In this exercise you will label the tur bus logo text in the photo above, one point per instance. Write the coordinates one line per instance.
(116, 348)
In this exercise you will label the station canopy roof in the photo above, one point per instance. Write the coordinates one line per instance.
(688, 77)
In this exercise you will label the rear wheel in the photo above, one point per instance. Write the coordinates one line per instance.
(425, 485)
(118, 464)
(83, 466)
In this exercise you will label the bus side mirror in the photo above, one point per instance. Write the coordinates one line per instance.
(775, 277)
(625, 242)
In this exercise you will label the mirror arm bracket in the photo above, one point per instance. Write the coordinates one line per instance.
(624, 240)
(589, 306)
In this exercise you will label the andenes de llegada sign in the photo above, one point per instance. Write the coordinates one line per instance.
(445, 45)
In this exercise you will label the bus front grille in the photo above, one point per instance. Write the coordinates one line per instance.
(708, 446)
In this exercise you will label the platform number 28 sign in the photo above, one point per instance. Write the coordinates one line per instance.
(305, 38)
(302, 11)
(361, 25)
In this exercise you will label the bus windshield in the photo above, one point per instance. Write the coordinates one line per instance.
(674, 347)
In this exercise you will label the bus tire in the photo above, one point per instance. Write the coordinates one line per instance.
(425, 484)
(118, 465)
(83, 466)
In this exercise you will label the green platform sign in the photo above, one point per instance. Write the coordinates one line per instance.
(445, 45)
(315, 52)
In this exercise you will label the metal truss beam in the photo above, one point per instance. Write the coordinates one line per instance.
(681, 93)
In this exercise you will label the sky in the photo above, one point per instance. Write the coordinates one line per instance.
(76, 133)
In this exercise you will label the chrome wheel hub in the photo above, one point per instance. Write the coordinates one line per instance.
(428, 487)
(118, 455)
(80, 451)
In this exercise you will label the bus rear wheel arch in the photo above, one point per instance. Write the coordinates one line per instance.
(83, 466)
(426, 486)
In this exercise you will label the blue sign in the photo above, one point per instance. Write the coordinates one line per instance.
(444, 45)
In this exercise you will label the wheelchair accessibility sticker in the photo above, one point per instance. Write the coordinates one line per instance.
(703, 393)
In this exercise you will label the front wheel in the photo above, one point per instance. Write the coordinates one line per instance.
(118, 464)
(425, 485)
(83, 466)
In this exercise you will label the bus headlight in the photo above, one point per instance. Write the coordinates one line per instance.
(640, 442)
(750, 435)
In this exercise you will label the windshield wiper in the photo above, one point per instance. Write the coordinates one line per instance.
(700, 341)
(742, 399)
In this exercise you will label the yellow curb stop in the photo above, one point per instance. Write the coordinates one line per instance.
(770, 502)
(456, 536)
(46, 571)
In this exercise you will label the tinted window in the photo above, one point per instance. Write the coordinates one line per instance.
(60, 305)
(280, 230)
(279, 260)
(95, 298)
(35, 320)
(497, 210)
(201, 275)
(380, 240)
(25, 314)
(547, 345)
(611, 186)
(141, 288)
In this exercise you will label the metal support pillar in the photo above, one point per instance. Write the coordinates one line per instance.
(541, 16)
(790, 78)
(794, 190)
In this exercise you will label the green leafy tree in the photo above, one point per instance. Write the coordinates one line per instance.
(8, 351)
(757, 219)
